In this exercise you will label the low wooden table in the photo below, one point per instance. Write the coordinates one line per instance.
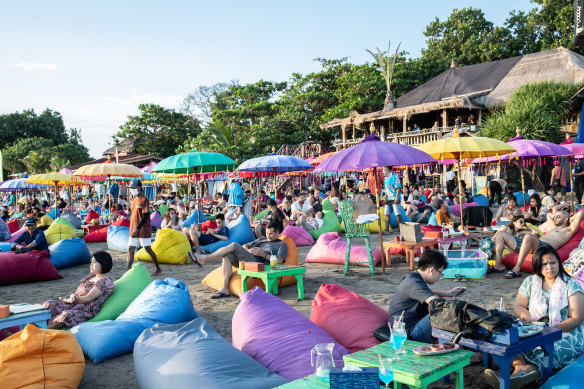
(270, 278)
(409, 247)
(39, 318)
(504, 354)
(411, 369)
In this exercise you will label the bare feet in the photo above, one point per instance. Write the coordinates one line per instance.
(156, 272)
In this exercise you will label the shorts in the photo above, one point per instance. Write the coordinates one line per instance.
(240, 254)
(559, 189)
(206, 239)
(519, 241)
(543, 244)
(143, 242)
(393, 208)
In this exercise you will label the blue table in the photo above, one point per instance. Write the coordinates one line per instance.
(39, 318)
(504, 354)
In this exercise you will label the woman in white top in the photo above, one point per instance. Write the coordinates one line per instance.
(171, 220)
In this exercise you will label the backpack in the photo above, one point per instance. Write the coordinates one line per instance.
(463, 319)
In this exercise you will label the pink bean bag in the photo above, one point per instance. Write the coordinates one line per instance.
(13, 226)
(456, 208)
(276, 335)
(29, 267)
(299, 235)
(155, 220)
(336, 310)
(16, 234)
(510, 259)
(330, 248)
(96, 236)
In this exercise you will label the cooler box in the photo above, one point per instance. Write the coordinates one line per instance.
(465, 263)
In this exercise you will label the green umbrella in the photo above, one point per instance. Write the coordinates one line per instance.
(195, 162)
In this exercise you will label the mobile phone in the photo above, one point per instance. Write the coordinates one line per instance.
(461, 293)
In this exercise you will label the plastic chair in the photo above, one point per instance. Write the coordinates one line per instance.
(354, 230)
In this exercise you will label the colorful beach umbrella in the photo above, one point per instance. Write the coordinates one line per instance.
(321, 158)
(55, 180)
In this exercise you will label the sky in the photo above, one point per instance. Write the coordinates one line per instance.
(95, 62)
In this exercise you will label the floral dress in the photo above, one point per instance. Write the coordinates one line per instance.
(572, 343)
(73, 314)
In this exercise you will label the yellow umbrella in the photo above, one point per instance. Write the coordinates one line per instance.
(457, 147)
(108, 170)
(56, 180)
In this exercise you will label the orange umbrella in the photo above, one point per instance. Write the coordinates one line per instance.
(320, 159)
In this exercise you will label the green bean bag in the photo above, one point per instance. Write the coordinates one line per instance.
(126, 289)
(162, 208)
(330, 221)
(59, 231)
(64, 221)
(261, 215)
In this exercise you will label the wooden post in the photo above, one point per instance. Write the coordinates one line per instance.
(572, 186)
(381, 214)
(480, 117)
(405, 125)
(444, 117)
(522, 185)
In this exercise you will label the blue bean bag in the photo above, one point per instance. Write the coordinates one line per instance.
(166, 302)
(568, 377)
(432, 220)
(393, 220)
(69, 252)
(481, 200)
(196, 218)
(276, 335)
(200, 358)
(117, 238)
(240, 232)
(519, 196)
(52, 213)
(5, 246)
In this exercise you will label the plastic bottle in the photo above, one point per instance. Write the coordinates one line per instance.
(444, 231)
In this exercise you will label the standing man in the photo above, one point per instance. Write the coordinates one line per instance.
(392, 188)
(140, 228)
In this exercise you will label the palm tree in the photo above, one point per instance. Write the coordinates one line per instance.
(37, 162)
(386, 65)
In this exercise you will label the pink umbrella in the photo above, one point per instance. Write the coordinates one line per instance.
(148, 168)
(576, 148)
(65, 171)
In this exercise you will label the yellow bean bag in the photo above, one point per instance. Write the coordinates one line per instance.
(45, 221)
(170, 246)
(215, 278)
(57, 232)
(41, 358)
(373, 227)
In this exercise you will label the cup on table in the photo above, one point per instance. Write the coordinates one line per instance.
(241, 265)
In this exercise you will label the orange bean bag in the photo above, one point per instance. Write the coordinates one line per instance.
(510, 259)
(41, 358)
(337, 310)
(215, 278)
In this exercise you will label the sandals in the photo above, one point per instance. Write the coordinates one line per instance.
(511, 274)
(459, 278)
(219, 295)
(492, 269)
(194, 258)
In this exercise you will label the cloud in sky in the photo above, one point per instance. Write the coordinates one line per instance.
(32, 66)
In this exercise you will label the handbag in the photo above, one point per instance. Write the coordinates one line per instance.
(486, 245)
(463, 319)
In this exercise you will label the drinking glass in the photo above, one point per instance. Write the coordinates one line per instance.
(394, 346)
(400, 335)
(386, 372)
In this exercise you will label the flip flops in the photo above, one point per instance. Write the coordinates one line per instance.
(492, 269)
(511, 274)
(219, 295)
(194, 258)
(520, 380)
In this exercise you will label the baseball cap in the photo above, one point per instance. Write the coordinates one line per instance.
(135, 183)
(30, 222)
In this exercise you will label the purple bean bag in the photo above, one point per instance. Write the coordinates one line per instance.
(299, 235)
(28, 267)
(15, 235)
(330, 248)
(155, 220)
(276, 335)
(455, 209)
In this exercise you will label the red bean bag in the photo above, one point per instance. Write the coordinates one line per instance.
(13, 226)
(29, 267)
(96, 236)
(336, 310)
(122, 223)
(510, 259)
(90, 216)
(207, 225)
(455, 209)
(330, 248)
(299, 235)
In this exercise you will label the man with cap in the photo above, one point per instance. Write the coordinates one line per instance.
(140, 228)
(34, 239)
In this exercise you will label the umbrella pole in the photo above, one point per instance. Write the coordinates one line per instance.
(460, 196)
(379, 221)
(572, 186)
(523, 186)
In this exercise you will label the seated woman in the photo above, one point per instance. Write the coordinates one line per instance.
(549, 295)
(87, 300)
(536, 211)
(511, 237)
(311, 223)
(286, 206)
(171, 220)
(446, 219)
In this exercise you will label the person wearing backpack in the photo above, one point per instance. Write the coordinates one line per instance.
(411, 298)
(549, 295)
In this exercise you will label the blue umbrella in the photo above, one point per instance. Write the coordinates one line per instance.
(19, 183)
(275, 163)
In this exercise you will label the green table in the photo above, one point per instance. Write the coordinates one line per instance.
(310, 382)
(270, 278)
(414, 370)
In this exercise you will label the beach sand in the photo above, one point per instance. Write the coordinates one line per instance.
(379, 288)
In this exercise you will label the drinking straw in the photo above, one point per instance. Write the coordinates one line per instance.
(501, 304)
(312, 336)
(401, 316)
(381, 362)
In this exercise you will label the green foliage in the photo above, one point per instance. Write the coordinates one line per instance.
(536, 108)
(158, 130)
(27, 124)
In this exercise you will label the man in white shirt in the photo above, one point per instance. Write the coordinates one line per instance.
(301, 207)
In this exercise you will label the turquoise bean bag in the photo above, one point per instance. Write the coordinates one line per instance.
(393, 219)
(200, 358)
(481, 200)
(432, 221)
(240, 232)
(69, 252)
(196, 218)
(118, 238)
(568, 377)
